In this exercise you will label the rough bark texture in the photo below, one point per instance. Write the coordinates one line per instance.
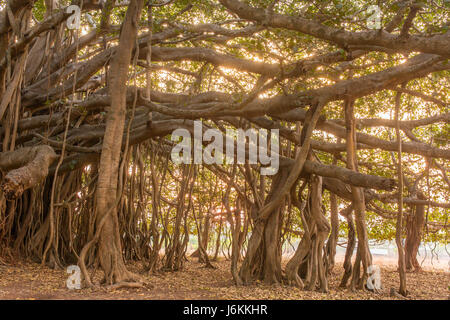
(110, 248)
(351, 242)
(363, 255)
(310, 259)
(318, 273)
(414, 229)
(263, 257)
(32, 168)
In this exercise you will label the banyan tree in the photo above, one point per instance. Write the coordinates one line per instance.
(92, 91)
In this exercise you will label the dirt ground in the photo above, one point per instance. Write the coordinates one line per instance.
(32, 281)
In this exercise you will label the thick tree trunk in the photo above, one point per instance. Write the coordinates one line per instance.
(263, 257)
(203, 235)
(414, 229)
(309, 260)
(110, 249)
(363, 253)
(257, 252)
(203, 239)
(322, 228)
(272, 248)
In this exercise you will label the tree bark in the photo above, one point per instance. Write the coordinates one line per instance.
(29, 166)
(363, 252)
(414, 229)
(347, 214)
(322, 229)
(263, 257)
(110, 249)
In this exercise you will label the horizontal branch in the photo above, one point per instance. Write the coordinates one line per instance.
(436, 44)
(32, 168)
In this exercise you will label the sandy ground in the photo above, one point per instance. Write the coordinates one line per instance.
(32, 281)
